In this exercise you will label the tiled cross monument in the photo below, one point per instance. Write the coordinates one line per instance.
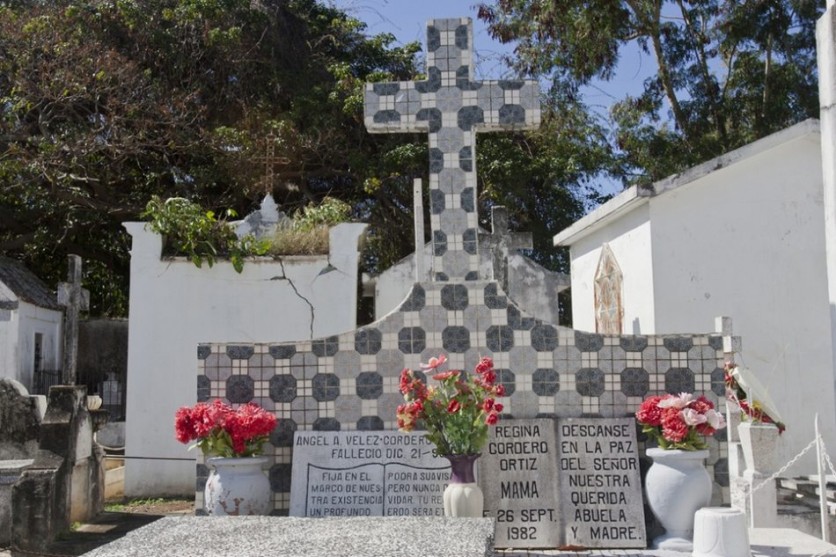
(350, 381)
(452, 108)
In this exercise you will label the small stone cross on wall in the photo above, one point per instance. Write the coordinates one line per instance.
(452, 108)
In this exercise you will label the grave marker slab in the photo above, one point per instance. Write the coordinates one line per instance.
(518, 476)
(600, 483)
(366, 473)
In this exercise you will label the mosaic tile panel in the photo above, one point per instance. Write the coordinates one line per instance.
(451, 108)
(350, 381)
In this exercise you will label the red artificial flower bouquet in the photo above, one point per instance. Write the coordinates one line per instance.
(457, 412)
(220, 430)
(679, 421)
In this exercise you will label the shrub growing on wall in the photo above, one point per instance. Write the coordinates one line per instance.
(187, 229)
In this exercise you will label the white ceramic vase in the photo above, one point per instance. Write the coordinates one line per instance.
(677, 486)
(463, 497)
(237, 487)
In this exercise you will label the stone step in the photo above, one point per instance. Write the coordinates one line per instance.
(808, 487)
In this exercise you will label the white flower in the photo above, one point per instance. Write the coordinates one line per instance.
(715, 419)
(691, 417)
(678, 402)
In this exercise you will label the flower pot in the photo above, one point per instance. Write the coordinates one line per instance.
(462, 497)
(677, 486)
(759, 442)
(237, 487)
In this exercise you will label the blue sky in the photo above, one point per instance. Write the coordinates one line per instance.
(406, 19)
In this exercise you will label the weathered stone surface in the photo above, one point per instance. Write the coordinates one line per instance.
(518, 475)
(65, 482)
(20, 417)
(193, 536)
(600, 483)
(366, 473)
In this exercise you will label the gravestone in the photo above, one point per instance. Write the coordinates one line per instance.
(361, 473)
(600, 484)
(518, 476)
(553, 483)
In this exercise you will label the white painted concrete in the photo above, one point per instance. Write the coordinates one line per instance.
(533, 287)
(630, 240)
(742, 235)
(17, 341)
(826, 54)
(174, 306)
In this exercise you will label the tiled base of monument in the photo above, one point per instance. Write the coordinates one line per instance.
(196, 536)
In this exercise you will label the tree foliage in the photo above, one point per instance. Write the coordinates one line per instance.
(106, 104)
(728, 72)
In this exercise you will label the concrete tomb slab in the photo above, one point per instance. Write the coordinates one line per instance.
(194, 536)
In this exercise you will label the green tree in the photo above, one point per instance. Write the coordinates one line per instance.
(105, 104)
(728, 72)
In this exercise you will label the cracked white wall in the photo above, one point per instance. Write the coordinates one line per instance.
(174, 306)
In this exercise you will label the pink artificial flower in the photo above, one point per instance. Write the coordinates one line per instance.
(434, 362)
(498, 407)
(692, 417)
(673, 428)
(445, 375)
(453, 407)
(702, 405)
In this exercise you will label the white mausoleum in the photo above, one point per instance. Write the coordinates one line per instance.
(30, 325)
(742, 235)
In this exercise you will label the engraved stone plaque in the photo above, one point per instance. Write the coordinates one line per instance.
(518, 475)
(366, 473)
(600, 484)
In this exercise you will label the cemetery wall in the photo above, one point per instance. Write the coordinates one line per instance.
(351, 381)
(175, 305)
(103, 361)
(741, 236)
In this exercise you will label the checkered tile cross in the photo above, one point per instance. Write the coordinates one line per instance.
(451, 107)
